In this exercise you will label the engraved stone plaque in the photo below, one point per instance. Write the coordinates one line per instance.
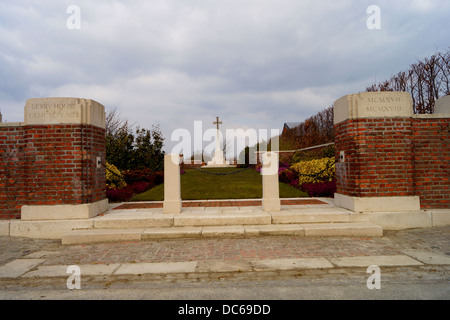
(387, 104)
(64, 111)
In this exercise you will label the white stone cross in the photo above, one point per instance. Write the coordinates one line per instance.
(218, 154)
(218, 158)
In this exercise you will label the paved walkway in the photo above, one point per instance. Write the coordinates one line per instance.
(22, 257)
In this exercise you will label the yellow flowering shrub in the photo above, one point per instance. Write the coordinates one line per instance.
(317, 170)
(114, 178)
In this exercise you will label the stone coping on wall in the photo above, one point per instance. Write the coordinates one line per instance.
(12, 124)
(442, 105)
(373, 105)
(432, 116)
(59, 110)
(56, 110)
(387, 104)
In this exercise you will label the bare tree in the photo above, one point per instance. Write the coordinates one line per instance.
(426, 80)
(432, 81)
(400, 81)
(443, 64)
(114, 121)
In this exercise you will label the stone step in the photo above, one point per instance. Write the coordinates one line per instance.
(123, 219)
(84, 236)
(101, 235)
(223, 218)
(147, 220)
(343, 229)
(312, 215)
(131, 220)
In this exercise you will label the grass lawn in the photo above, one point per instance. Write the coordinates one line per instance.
(196, 185)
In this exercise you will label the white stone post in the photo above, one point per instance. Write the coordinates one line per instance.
(270, 186)
(172, 186)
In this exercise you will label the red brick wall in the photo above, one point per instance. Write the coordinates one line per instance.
(50, 164)
(13, 173)
(432, 162)
(395, 157)
(347, 172)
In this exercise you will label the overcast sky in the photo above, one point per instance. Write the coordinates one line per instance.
(254, 63)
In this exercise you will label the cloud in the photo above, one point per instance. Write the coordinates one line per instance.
(256, 64)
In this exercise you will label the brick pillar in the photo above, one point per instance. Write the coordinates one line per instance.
(374, 146)
(51, 164)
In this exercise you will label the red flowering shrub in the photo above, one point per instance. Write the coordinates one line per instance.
(288, 176)
(119, 195)
(140, 175)
(294, 183)
(158, 177)
(131, 176)
(140, 186)
(320, 189)
(138, 181)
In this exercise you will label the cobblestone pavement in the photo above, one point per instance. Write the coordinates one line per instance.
(270, 247)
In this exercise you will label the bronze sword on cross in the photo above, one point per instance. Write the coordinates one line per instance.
(217, 122)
